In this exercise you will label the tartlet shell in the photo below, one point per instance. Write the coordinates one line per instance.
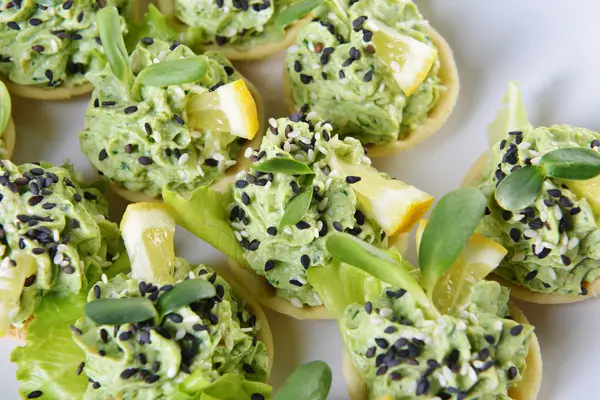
(475, 174)
(254, 53)
(526, 389)
(449, 90)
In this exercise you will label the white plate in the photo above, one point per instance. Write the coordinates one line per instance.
(550, 46)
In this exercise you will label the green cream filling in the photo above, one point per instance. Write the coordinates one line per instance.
(146, 148)
(334, 204)
(225, 343)
(374, 110)
(241, 24)
(553, 244)
(400, 353)
(51, 46)
(63, 225)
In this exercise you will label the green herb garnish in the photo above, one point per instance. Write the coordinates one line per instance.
(297, 208)
(295, 12)
(120, 311)
(109, 27)
(520, 189)
(448, 231)
(174, 72)
(185, 293)
(5, 107)
(309, 381)
(282, 165)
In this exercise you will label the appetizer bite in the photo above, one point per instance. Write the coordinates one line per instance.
(7, 125)
(166, 330)
(165, 117)
(541, 186)
(55, 237)
(241, 30)
(47, 47)
(440, 332)
(377, 70)
(304, 182)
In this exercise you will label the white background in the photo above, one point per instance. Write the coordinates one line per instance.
(552, 47)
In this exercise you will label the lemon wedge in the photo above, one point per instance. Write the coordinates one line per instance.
(12, 279)
(148, 232)
(230, 108)
(395, 205)
(590, 190)
(479, 257)
(409, 59)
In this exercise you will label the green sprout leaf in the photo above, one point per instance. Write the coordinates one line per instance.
(511, 117)
(352, 251)
(520, 189)
(309, 381)
(5, 107)
(450, 227)
(120, 311)
(154, 25)
(185, 293)
(295, 12)
(575, 163)
(174, 72)
(109, 27)
(281, 165)
(297, 208)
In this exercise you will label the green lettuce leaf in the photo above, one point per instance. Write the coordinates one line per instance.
(205, 215)
(154, 25)
(49, 360)
(227, 387)
(511, 116)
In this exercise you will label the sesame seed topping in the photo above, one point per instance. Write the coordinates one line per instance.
(130, 109)
(530, 275)
(353, 179)
(178, 119)
(516, 331)
(35, 394)
(305, 261)
(381, 342)
(269, 265)
(337, 226)
(147, 40)
(145, 160)
(295, 282)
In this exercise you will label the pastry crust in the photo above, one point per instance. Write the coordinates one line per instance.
(266, 294)
(242, 162)
(526, 389)
(475, 175)
(256, 52)
(449, 89)
(47, 93)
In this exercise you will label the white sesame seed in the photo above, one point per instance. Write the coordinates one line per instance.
(558, 213)
(472, 374)
(258, 325)
(517, 217)
(536, 161)
(520, 256)
(296, 302)
(192, 275)
(268, 185)
(180, 334)
(461, 326)
(534, 153)
(564, 239)
(563, 250)
(322, 149)
(294, 134)
(237, 225)
(287, 230)
(286, 146)
(300, 157)
(195, 134)
(552, 274)
(229, 342)
(171, 373)
(448, 374)
(244, 233)
(524, 145)
(316, 233)
(311, 155)
(104, 278)
(63, 248)
(237, 236)
(248, 152)
(385, 312)
(538, 241)
(498, 325)
(183, 159)
(544, 215)
(478, 363)
(294, 147)
(573, 242)
(56, 235)
(273, 122)
(190, 319)
(548, 245)
(312, 115)
(311, 46)
(10, 228)
(58, 258)
(218, 156)
(376, 319)
(381, 88)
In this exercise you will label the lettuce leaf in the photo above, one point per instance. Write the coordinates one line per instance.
(511, 116)
(205, 215)
(227, 387)
(49, 360)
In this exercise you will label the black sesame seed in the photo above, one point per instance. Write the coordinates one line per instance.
(500, 175)
(102, 155)
(211, 162)
(342, 74)
(295, 282)
(80, 368)
(370, 353)
(108, 103)
(357, 23)
(145, 160)
(422, 386)
(530, 275)
(38, 250)
(575, 211)
(241, 184)
(595, 143)
(506, 215)
(155, 378)
(512, 372)
(536, 224)
(297, 66)
(554, 193)
(257, 396)
(97, 291)
(368, 307)
(565, 260)
(516, 330)
(200, 328)
(35, 21)
(302, 225)
(245, 198)
(212, 318)
(565, 201)
(130, 109)
(248, 368)
(305, 261)
(515, 235)
(13, 25)
(147, 40)
(75, 330)
(269, 265)
(541, 255)
(337, 226)
(381, 342)
(178, 119)
(228, 70)
(35, 394)
(102, 353)
(272, 231)
(175, 318)
(368, 76)
(381, 370)
(390, 329)
(353, 179)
